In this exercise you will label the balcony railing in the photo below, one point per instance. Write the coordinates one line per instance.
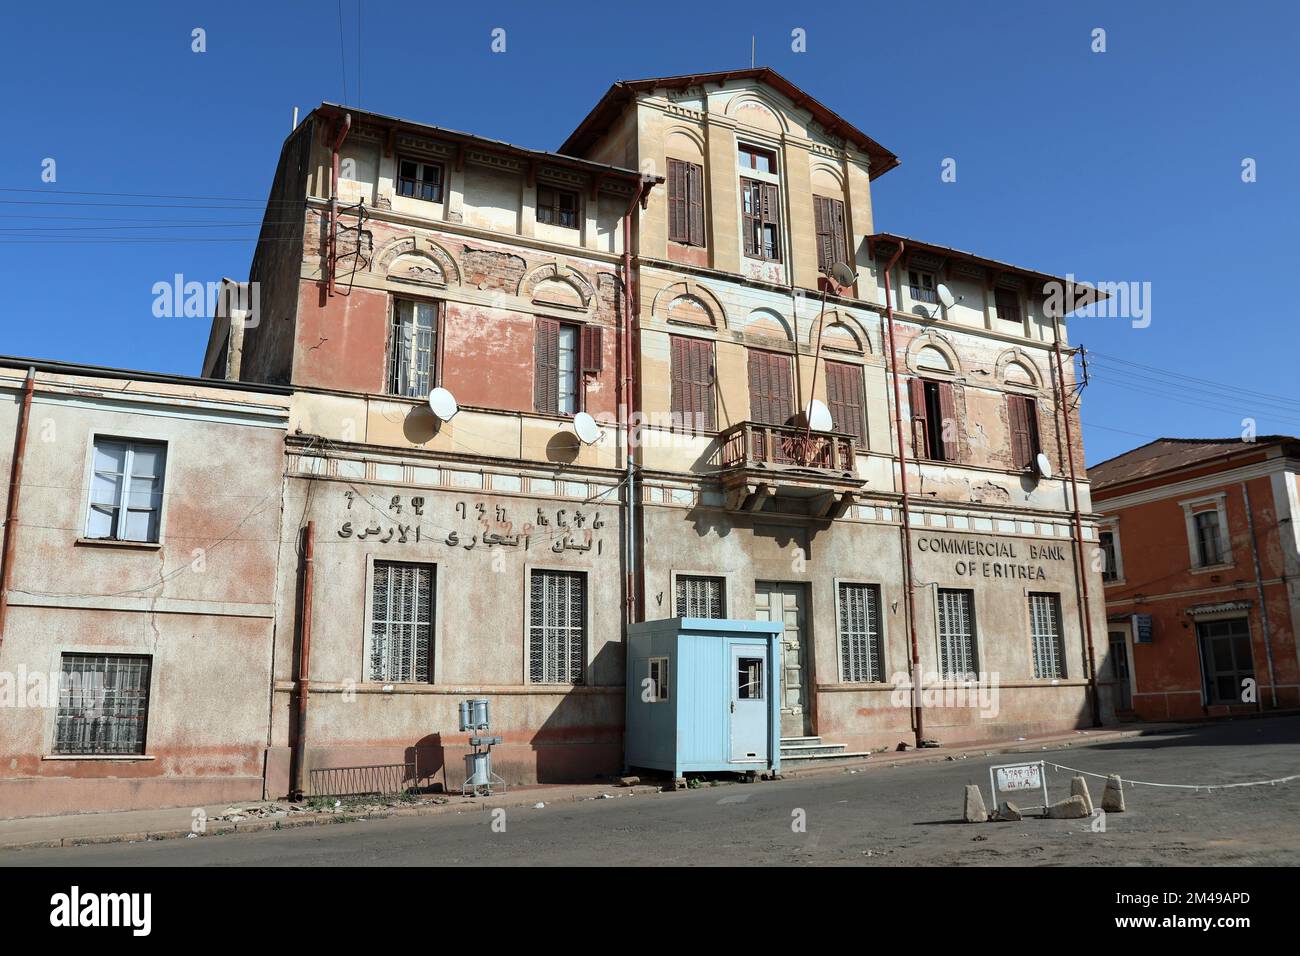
(921, 293)
(747, 444)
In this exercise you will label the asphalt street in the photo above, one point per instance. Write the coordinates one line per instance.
(879, 816)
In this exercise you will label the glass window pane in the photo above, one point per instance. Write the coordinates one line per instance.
(144, 493)
(100, 523)
(141, 526)
(110, 456)
(147, 461)
(105, 489)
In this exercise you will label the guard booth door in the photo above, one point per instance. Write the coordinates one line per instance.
(750, 707)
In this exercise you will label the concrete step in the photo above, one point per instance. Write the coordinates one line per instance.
(810, 750)
(795, 741)
(794, 761)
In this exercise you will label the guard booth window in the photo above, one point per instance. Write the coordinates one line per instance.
(749, 679)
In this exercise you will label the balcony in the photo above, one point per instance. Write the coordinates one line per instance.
(814, 473)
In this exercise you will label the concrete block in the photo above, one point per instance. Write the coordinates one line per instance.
(973, 811)
(1112, 798)
(1079, 788)
(1071, 808)
(1009, 812)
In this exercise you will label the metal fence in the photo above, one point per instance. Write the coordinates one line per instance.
(380, 779)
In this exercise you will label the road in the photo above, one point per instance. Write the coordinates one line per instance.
(905, 815)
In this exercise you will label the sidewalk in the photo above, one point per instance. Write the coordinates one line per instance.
(126, 826)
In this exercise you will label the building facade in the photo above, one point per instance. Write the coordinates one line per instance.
(1201, 557)
(139, 578)
(495, 554)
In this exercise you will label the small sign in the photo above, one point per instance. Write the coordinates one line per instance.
(1023, 777)
(1142, 629)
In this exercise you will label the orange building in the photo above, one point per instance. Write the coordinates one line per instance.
(1201, 554)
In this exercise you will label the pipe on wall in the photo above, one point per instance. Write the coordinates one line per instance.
(1081, 583)
(15, 490)
(297, 770)
(918, 716)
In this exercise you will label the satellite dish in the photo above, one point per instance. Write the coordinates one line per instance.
(818, 416)
(585, 427)
(842, 275)
(946, 297)
(443, 404)
(1043, 465)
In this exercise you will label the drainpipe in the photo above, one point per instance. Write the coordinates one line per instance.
(339, 136)
(1081, 593)
(1263, 608)
(297, 771)
(631, 536)
(918, 717)
(15, 488)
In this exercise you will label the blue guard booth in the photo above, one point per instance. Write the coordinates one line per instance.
(704, 695)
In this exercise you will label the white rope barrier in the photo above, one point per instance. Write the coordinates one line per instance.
(1178, 786)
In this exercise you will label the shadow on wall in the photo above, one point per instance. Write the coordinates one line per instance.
(583, 737)
(420, 425)
(563, 447)
(429, 758)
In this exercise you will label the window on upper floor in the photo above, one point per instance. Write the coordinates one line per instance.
(758, 159)
(934, 420)
(1106, 540)
(419, 180)
(557, 384)
(761, 219)
(921, 285)
(844, 398)
(771, 393)
(691, 371)
(412, 362)
(828, 220)
(1209, 538)
(685, 202)
(1022, 422)
(557, 207)
(1007, 302)
(126, 490)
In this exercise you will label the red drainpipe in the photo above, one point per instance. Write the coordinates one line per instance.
(1078, 528)
(15, 488)
(339, 136)
(918, 717)
(297, 771)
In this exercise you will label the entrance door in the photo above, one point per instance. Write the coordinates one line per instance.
(749, 704)
(1119, 670)
(776, 601)
(1226, 658)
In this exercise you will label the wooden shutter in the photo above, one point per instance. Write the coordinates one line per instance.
(546, 367)
(844, 397)
(770, 401)
(695, 203)
(678, 188)
(947, 422)
(593, 353)
(839, 242)
(691, 363)
(920, 422)
(828, 217)
(772, 217)
(1022, 422)
(751, 218)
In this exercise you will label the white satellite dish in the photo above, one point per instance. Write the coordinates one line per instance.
(946, 298)
(842, 275)
(1043, 465)
(585, 427)
(818, 416)
(443, 404)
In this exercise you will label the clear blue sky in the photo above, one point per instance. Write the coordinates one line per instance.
(1118, 166)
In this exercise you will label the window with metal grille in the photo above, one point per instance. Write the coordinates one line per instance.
(861, 654)
(557, 207)
(1007, 302)
(957, 635)
(699, 596)
(419, 180)
(685, 202)
(557, 627)
(126, 490)
(691, 371)
(103, 704)
(1209, 543)
(412, 364)
(401, 623)
(1045, 629)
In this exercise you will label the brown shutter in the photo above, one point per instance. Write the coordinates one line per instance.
(948, 422)
(593, 354)
(920, 423)
(751, 217)
(695, 203)
(677, 190)
(839, 243)
(1018, 425)
(691, 362)
(821, 217)
(844, 398)
(546, 368)
(770, 399)
(772, 216)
